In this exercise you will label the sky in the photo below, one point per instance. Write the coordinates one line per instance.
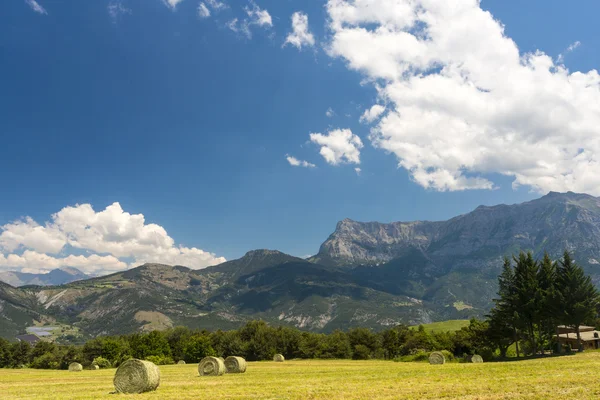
(190, 132)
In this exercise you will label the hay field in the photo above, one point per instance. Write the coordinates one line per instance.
(574, 377)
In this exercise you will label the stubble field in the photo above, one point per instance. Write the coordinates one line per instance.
(573, 377)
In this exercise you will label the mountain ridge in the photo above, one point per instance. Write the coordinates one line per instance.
(57, 276)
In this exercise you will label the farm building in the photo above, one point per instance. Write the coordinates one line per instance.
(590, 337)
(29, 338)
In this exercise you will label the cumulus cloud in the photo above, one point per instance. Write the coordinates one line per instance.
(463, 102)
(29, 234)
(34, 262)
(300, 35)
(358, 171)
(298, 163)
(116, 9)
(258, 16)
(112, 235)
(330, 113)
(172, 4)
(203, 11)
(372, 114)
(35, 6)
(338, 146)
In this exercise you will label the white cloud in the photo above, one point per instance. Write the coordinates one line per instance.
(258, 16)
(572, 47)
(465, 103)
(34, 262)
(216, 5)
(371, 115)
(29, 234)
(172, 4)
(117, 9)
(241, 27)
(111, 232)
(358, 171)
(298, 163)
(330, 113)
(300, 35)
(35, 6)
(338, 146)
(203, 11)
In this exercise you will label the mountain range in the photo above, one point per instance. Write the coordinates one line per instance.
(365, 274)
(58, 276)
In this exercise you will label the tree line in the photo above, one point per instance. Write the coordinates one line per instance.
(533, 298)
(255, 341)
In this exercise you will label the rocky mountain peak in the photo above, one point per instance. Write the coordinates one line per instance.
(554, 222)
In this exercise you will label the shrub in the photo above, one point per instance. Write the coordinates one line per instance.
(160, 360)
(361, 352)
(102, 362)
(46, 361)
(448, 355)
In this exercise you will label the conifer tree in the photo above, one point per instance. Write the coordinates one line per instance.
(504, 316)
(576, 294)
(546, 282)
(528, 295)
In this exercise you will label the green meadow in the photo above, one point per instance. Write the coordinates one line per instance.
(444, 326)
(549, 378)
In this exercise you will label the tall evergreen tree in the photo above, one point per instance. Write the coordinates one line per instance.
(528, 296)
(504, 316)
(546, 282)
(576, 294)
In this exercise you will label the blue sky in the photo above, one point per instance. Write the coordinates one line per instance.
(177, 117)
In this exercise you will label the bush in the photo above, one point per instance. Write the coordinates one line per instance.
(415, 356)
(448, 355)
(160, 360)
(46, 361)
(361, 352)
(101, 362)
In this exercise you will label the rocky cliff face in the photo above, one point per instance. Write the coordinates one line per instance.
(480, 238)
(374, 243)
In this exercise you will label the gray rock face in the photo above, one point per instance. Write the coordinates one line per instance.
(373, 242)
(480, 238)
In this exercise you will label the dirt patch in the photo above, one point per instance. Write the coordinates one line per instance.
(155, 321)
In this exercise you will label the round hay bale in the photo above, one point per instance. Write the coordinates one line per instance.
(75, 367)
(93, 367)
(437, 358)
(221, 358)
(136, 376)
(278, 358)
(180, 362)
(211, 366)
(476, 358)
(235, 365)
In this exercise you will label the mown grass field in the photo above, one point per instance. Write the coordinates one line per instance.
(568, 377)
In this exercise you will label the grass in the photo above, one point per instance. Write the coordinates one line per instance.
(444, 326)
(558, 377)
